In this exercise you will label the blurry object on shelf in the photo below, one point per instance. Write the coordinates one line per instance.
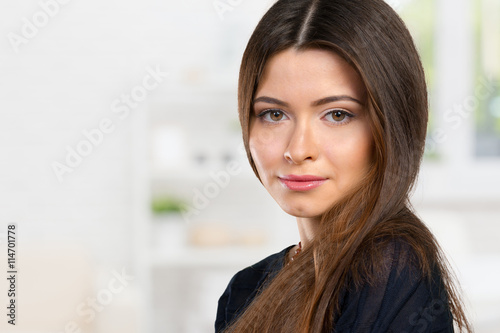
(169, 233)
(194, 76)
(213, 234)
(210, 234)
(169, 230)
(253, 237)
(167, 205)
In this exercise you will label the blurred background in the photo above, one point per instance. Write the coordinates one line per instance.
(124, 174)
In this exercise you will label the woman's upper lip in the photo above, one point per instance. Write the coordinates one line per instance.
(302, 178)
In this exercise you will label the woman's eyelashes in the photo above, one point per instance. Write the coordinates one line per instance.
(338, 116)
(335, 116)
(272, 115)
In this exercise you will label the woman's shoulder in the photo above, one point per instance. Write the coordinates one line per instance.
(397, 294)
(404, 243)
(245, 285)
(269, 265)
(389, 257)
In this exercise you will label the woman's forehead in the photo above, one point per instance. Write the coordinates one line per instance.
(312, 72)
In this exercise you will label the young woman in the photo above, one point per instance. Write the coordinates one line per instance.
(333, 107)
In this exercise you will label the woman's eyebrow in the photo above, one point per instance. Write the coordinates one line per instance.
(321, 101)
(269, 100)
(335, 99)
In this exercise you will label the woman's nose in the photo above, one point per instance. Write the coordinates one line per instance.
(302, 145)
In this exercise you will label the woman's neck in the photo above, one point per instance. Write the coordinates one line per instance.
(307, 229)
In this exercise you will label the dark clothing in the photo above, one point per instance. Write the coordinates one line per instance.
(403, 302)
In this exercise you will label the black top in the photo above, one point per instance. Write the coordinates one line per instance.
(404, 302)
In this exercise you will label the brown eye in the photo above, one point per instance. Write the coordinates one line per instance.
(276, 115)
(273, 116)
(338, 115)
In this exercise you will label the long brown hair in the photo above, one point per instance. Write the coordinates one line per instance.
(355, 232)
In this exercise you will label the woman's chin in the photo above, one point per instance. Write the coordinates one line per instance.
(305, 212)
(310, 208)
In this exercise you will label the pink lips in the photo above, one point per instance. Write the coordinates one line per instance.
(301, 183)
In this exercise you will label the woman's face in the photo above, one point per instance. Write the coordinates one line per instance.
(310, 137)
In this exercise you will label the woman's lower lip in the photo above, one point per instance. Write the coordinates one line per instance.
(301, 185)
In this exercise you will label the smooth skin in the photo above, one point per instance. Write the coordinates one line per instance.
(309, 118)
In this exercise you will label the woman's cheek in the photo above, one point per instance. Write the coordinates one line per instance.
(263, 155)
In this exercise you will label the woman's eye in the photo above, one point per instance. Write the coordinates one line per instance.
(338, 116)
(272, 115)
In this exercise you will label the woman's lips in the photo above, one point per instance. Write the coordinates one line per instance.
(301, 182)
